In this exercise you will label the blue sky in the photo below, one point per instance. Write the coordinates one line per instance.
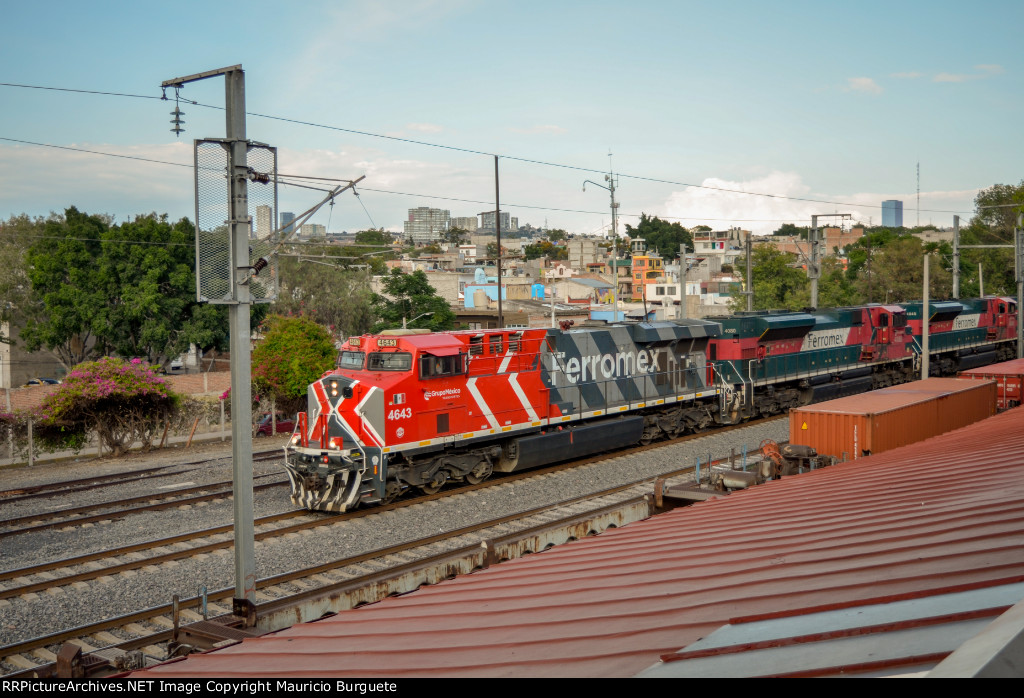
(835, 102)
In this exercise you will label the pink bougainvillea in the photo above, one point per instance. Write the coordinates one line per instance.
(120, 401)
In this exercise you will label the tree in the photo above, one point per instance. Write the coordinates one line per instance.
(16, 237)
(544, 248)
(777, 283)
(455, 236)
(411, 298)
(997, 210)
(557, 235)
(661, 236)
(897, 273)
(120, 401)
(374, 236)
(327, 293)
(128, 289)
(788, 229)
(62, 267)
(293, 353)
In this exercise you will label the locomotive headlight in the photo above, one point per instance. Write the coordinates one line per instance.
(334, 388)
(335, 445)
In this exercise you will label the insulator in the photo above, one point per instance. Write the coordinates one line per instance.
(259, 266)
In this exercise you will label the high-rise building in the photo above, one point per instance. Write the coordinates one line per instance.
(313, 230)
(264, 222)
(286, 218)
(487, 222)
(892, 213)
(425, 225)
(467, 223)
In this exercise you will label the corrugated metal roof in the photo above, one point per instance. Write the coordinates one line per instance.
(924, 521)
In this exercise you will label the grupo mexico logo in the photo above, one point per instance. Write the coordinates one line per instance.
(446, 393)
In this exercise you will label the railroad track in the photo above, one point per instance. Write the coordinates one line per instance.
(54, 489)
(148, 630)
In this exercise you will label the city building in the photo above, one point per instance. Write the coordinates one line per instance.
(425, 224)
(286, 218)
(892, 213)
(313, 230)
(264, 222)
(707, 242)
(646, 268)
(467, 223)
(508, 223)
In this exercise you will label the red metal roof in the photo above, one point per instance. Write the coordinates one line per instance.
(922, 521)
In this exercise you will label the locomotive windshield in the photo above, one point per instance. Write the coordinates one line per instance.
(352, 360)
(390, 361)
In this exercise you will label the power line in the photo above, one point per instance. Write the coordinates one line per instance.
(471, 151)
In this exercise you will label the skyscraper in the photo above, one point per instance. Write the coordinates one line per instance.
(426, 224)
(892, 213)
(264, 222)
(286, 218)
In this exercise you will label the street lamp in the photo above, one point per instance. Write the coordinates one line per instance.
(615, 240)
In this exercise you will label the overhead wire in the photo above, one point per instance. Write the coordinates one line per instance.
(471, 151)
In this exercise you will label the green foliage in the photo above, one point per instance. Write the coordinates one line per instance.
(661, 236)
(120, 401)
(997, 211)
(777, 283)
(330, 295)
(16, 236)
(896, 273)
(129, 289)
(293, 353)
(544, 248)
(62, 268)
(455, 236)
(557, 235)
(788, 229)
(373, 236)
(410, 296)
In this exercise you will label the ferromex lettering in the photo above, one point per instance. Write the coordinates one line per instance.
(608, 366)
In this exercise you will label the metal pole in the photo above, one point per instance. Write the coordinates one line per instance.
(956, 257)
(1018, 240)
(615, 246)
(925, 317)
(750, 275)
(241, 364)
(497, 229)
(682, 277)
(812, 270)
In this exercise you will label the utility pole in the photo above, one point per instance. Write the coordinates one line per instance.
(814, 263)
(750, 273)
(239, 224)
(682, 278)
(497, 230)
(1018, 239)
(925, 329)
(610, 178)
(956, 257)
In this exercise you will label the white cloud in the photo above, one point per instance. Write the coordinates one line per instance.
(990, 68)
(907, 75)
(763, 214)
(863, 85)
(541, 129)
(951, 77)
(425, 128)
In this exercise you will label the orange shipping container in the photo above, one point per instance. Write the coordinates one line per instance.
(860, 425)
(1009, 378)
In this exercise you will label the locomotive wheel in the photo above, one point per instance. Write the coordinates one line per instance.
(435, 484)
(391, 491)
(480, 473)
